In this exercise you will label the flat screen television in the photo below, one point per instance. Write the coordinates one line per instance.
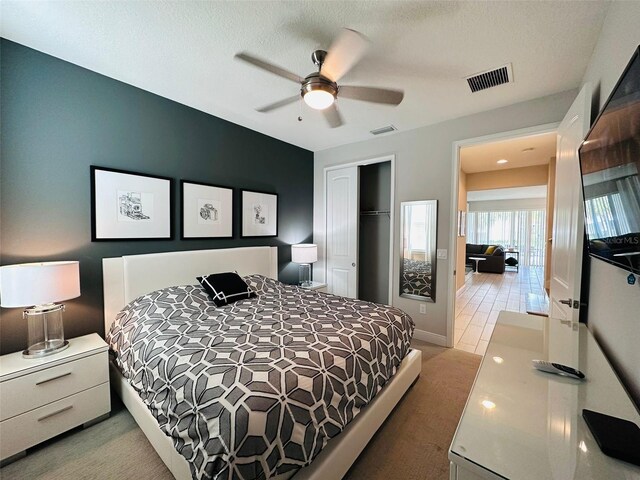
(610, 163)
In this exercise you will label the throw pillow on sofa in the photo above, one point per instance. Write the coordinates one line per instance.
(489, 250)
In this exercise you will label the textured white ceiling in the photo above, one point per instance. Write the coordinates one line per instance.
(483, 158)
(184, 51)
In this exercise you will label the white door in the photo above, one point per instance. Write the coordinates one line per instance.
(342, 231)
(568, 219)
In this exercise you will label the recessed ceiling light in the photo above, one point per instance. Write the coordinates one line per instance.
(498, 359)
(527, 150)
(502, 161)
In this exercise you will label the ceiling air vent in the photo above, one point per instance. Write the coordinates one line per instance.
(381, 130)
(490, 78)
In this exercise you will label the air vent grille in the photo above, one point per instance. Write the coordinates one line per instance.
(381, 130)
(491, 78)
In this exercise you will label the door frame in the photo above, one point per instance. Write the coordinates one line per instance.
(360, 163)
(453, 214)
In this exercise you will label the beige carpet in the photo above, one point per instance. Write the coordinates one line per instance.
(412, 443)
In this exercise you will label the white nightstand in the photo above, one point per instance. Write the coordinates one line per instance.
(41, 398)
(319, 286)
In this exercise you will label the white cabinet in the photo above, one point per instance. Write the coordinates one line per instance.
(41, 398)
(520, 423)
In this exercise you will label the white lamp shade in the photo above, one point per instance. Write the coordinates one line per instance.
(29, 284)
(304, 253)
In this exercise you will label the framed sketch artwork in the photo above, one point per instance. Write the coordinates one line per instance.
(462, 223)
(130, 206)
(259, 214)
(207, 210)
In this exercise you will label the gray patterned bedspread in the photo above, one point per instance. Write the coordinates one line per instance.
(255, 389)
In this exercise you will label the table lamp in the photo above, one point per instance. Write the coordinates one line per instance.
(305, 254)
(37, 286)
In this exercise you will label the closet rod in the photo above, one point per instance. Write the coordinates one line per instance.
(376, 212)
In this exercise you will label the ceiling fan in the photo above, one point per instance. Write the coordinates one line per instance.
(320, 89)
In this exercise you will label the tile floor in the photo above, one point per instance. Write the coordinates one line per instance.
(483, 296)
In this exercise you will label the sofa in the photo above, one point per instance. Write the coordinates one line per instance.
(494, 262)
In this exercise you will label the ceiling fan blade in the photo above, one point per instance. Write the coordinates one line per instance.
(257, 62)
(281, 103)
(371, 94)
(332, 115)
(344, 53)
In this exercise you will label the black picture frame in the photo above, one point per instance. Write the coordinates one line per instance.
(248, 227)
(188, 229)
(111, 222)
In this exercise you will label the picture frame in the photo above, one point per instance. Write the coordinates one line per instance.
(207, 210)
(129, 205)
(462, 223)
(259, 214)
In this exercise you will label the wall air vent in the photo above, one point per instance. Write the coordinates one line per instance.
(381, 130)
(490, 78)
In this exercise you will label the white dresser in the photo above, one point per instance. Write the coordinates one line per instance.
(41, 398)
(519, 423)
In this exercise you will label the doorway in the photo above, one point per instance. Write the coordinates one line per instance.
(501, 230)
(359, 199)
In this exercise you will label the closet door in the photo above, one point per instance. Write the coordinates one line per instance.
(342, 231)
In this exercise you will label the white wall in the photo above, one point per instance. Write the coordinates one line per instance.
(423, 172)
(614, 306)
(508, 205)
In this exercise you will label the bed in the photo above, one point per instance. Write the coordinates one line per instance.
(416, 277)
(156, 277)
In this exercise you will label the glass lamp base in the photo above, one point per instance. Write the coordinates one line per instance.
(45, 330)
(304, 271)
(43, 349)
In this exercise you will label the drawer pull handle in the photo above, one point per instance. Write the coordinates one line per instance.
(64, 409)
(53, 378)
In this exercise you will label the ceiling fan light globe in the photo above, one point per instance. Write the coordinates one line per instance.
(318, 99)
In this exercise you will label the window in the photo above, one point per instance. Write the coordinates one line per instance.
(521, 229)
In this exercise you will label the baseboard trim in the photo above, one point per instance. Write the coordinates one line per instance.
(430, 337)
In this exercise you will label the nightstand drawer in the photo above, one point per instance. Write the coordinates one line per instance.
(27, 392)
(26, 430)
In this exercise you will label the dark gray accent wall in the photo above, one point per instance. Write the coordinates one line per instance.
(58, 119)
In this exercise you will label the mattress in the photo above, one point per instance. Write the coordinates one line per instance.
(257, 388)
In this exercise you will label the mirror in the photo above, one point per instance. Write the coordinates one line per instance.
(418, 227)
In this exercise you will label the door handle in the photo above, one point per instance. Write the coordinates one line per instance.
(566, 302)
(353, 264)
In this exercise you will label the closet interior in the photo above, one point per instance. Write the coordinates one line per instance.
(373, 234)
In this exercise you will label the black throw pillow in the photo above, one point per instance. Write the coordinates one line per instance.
(512, 262)
(225, 288)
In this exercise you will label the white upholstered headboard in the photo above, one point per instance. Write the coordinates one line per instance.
(126, 278)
